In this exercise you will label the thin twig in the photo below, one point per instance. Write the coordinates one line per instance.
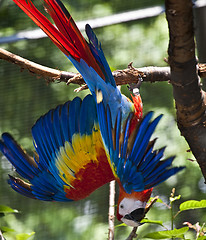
(132, 234)
(1, 236)
(150, 204)
(111, 210)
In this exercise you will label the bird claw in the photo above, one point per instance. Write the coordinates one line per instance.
(135, 87)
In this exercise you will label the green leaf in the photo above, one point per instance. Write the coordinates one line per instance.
(202, 238)
(5, 209)
(6, 229)
(121, 225)
(192, 204)
(168, 234)
(24, 236)
(152, 221)
(172, 199)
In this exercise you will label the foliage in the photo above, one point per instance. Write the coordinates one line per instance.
(10, 233)
(192, 204)
(198, 232)
(179, 233)
(165, 234)
(175, 233)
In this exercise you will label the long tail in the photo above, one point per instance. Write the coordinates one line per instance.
(88, 58)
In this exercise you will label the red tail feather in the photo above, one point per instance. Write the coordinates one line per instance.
(68, 28)
(68, 38)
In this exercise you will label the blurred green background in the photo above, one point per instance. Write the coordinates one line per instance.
(24, 98)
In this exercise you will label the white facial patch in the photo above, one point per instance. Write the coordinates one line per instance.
(128, 205)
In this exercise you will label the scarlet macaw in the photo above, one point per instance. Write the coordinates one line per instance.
(84, 144)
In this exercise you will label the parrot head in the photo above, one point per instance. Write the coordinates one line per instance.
(131, 207)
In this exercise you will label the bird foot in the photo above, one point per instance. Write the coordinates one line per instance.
(135, 87)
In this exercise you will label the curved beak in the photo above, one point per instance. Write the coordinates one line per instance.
(133, 219)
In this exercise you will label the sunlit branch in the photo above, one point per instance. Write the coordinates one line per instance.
(189, 98)
(111, 215)
(126, 76)
(1, 236)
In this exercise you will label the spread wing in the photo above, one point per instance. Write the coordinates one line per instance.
(70, 161)
(135, 164)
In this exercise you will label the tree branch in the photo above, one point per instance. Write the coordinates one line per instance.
(132, 234)
(189, 98)
(126, 76)
(1, 236)
(111, 215)
(45, 72)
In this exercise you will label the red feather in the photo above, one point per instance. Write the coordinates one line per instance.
(67, 37)
(91, 177)
(137, 114)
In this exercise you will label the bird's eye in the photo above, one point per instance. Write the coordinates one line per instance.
(121, 206)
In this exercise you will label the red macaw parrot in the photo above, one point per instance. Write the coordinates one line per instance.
(85, 144)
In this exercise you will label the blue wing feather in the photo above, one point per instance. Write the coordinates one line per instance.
(127, 169)
(17, 156)
(49, 135)
(141, 131)
(87, 115)
(48, 128)
(74, 115)
(141, 168)
(109, 128)
(149, 156)
(103, 124)
(151, 164)
(57, 127)
(64, 121)
(159, 179)
(14, 183)
(141, 145)
(126, 136)
(97, 52)
(40, 144)
(118, 129)
(158, 170)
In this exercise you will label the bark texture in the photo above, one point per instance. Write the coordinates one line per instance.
(188, 95)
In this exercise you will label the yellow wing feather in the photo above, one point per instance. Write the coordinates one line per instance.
(73, 157)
